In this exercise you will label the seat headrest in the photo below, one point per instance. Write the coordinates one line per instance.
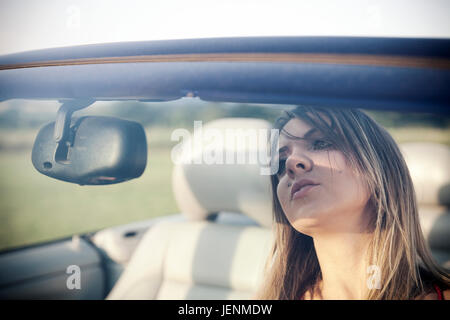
(212, 180)
(429, 166)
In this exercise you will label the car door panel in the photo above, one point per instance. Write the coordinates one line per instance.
(67, 269)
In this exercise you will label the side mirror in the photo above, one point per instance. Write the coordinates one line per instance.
(97, 151)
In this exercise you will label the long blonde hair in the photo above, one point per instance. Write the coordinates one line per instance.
(397, 248)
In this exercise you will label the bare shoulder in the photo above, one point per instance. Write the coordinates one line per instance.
(446, 294)
(434, 296)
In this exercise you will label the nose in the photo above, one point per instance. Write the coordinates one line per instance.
(298, 164)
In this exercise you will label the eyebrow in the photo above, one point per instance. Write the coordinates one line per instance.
(290, 136)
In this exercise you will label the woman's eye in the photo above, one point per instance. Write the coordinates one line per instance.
(321, 144)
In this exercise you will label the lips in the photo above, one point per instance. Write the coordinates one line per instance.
(300, 188)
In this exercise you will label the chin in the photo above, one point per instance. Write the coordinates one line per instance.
(309, 221)
(306, 225)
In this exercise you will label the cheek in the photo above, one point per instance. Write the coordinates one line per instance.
(335, 162)
(346, 189)
(282, 191)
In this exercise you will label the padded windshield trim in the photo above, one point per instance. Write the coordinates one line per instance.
(341, 59)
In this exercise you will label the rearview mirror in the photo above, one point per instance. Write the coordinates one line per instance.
(98, 151)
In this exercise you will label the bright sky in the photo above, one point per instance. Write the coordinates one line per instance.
(35, 24)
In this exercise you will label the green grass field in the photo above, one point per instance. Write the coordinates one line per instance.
(35, 208)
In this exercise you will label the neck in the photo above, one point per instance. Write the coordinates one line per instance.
(342, 260)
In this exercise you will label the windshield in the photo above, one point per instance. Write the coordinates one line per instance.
(35, 208)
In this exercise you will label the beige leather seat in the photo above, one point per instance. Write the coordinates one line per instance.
(205, 258)
(223, 258)
(429, 166)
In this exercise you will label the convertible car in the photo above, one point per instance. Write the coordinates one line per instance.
(216, 245)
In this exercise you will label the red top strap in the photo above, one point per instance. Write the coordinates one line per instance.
(438, 291)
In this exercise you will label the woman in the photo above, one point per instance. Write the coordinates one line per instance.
(346, 216)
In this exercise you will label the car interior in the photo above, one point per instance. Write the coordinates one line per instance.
(186, 266)
(215, 248)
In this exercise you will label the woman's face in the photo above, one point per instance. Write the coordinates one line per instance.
(317, 189)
